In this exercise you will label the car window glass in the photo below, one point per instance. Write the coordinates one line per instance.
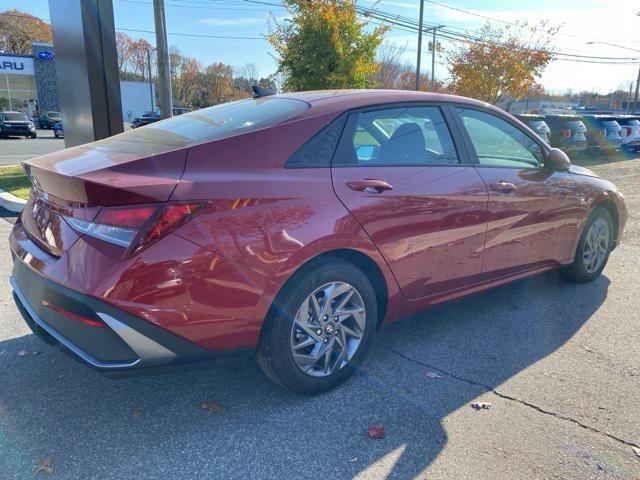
(16, 117)
(216, 122)
(401, 136)
(498, 143)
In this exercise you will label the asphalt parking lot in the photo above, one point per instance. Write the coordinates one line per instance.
(559, 363)
(16, 149)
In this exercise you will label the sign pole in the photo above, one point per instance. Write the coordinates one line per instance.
(6, 78)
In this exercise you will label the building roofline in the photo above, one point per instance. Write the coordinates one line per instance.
(18, 55)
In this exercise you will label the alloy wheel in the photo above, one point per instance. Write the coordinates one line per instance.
(328, 329)
(596, 245)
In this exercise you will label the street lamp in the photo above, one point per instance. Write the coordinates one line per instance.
(635, 96)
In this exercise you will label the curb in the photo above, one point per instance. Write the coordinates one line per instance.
(11, 202)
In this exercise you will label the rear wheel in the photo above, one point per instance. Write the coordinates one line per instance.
(320, 328)
(594, 247)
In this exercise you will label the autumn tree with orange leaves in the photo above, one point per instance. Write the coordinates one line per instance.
(18, 29)
(501, 62)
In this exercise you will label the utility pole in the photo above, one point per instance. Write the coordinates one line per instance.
(162, 55)
(635, 97)
(433, 57)
(629, 96)
(150, 82)
(419, 45)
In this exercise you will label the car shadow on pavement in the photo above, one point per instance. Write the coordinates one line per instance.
(151, 427)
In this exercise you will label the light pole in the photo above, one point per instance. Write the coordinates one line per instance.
(635, 96)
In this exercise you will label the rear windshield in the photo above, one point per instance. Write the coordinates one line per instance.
(15, 117)
(629, 121)
(54, 115)
(219, 121)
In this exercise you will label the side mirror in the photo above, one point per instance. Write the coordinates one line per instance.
(557, 160)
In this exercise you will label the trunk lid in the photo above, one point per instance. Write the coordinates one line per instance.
(77, 182)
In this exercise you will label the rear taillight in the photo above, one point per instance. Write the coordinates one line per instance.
(135, 228)
(627, 131)
(566, 133)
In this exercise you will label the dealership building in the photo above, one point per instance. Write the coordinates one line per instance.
(28, 84)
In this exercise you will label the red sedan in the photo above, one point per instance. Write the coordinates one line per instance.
(295, 225)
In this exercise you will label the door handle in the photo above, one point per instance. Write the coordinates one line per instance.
(503, 187)
(370, 185)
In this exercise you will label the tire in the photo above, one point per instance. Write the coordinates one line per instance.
(587, 267)
(285, 331)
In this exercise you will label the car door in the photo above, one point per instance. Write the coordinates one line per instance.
(398, 172)
(533, 211)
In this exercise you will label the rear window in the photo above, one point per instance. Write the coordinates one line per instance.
(54, 115)
(15, 117)
(632, 122)
(219, 121)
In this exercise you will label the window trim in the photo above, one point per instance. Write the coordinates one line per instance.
(471, 148)
(450, 123)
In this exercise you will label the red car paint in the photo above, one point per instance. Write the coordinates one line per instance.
(441, 233)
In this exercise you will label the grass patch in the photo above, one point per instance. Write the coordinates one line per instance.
(15, 181)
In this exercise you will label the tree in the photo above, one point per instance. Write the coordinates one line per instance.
(19, 29)
(123, 48)
(502, 62)
(324, 45)
(185, 77)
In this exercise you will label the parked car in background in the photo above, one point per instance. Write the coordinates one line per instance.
(49, 119)
(146, 119)
(603, 132)
(300, 223)
(58, 131)
(536, 123)
(567, 132)
(152, 117)
(630, 133)
(16, 124)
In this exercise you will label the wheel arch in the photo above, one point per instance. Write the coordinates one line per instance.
(360, 260)
(612, 208)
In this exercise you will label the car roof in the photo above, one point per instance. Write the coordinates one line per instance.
(341, 100)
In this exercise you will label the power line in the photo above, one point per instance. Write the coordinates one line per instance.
(228, 37)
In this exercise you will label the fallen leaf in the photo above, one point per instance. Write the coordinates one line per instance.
(212, 407)
(636, 450)
(433, 375)
(481, 405)
(376, 431)
(45, 467)
(26, 353)
(136, 412)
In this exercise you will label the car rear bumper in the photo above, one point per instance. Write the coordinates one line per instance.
(112, 340)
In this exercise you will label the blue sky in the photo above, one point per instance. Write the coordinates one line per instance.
(581, 20)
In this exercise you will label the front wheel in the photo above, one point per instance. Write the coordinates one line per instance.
(320, 328)
(594, 247)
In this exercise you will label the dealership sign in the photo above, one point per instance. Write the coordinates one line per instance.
(46, 55)
(16, 65)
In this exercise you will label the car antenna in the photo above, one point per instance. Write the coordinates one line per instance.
(259, 92)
